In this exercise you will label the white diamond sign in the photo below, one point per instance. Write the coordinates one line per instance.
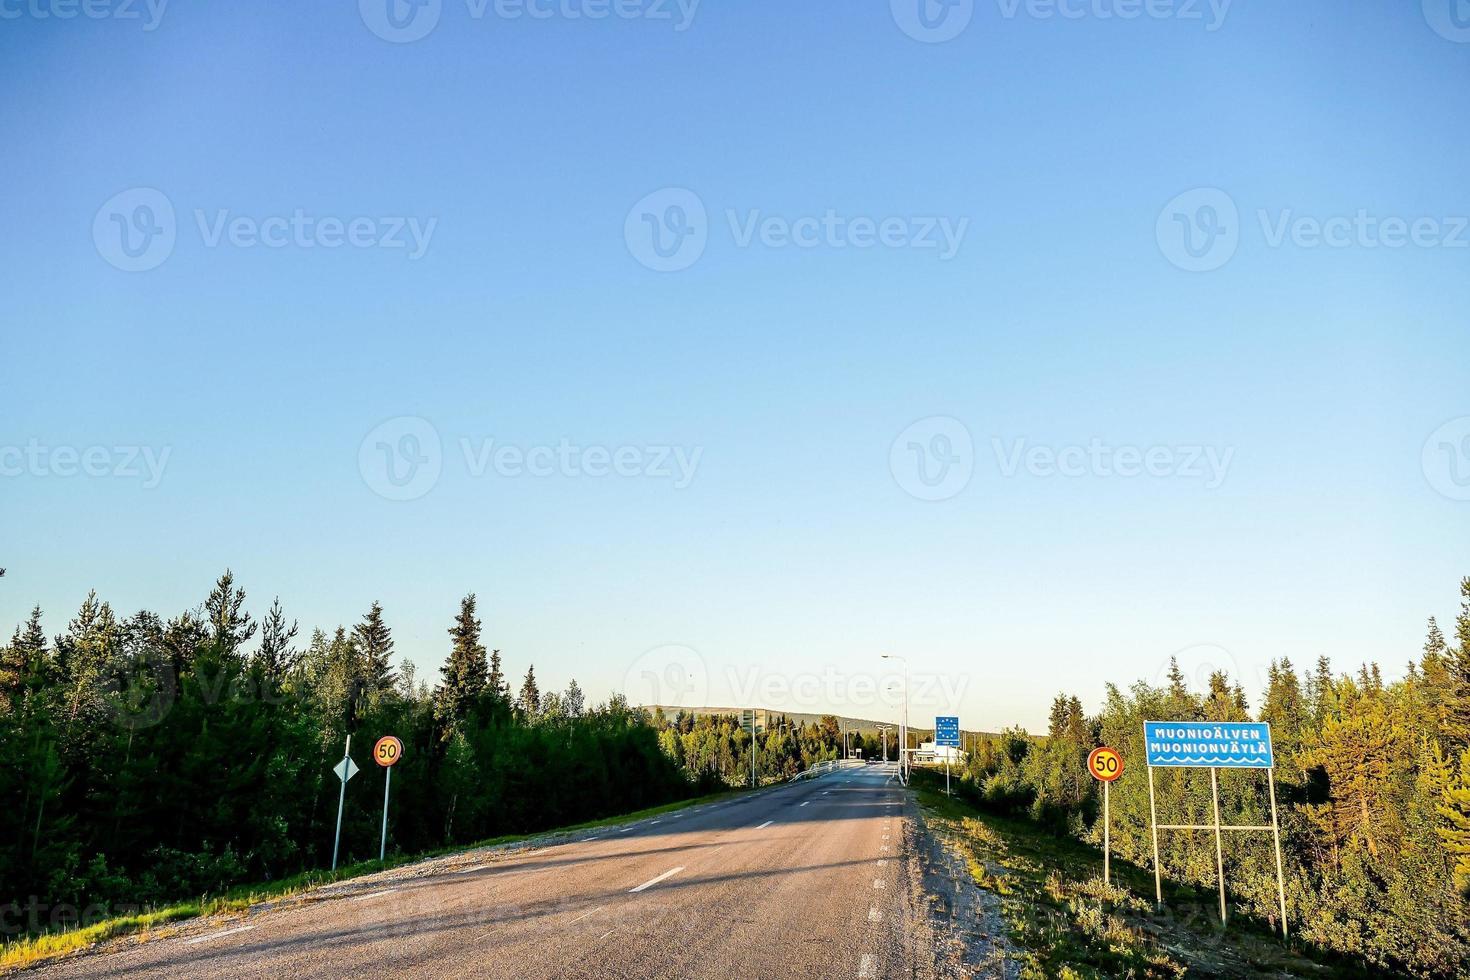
(345, 769)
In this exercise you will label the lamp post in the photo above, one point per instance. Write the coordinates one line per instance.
(903, 731)
(883, 734)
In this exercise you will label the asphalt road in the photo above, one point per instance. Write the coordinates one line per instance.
(811, 879)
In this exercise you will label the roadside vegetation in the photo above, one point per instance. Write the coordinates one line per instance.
(1064, 922)
(152, 767)
(1373, 784)
(148, 761)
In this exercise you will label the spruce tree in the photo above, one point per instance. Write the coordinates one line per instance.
(464, 676)
(530, 700)
(375, 645)
(499, 687)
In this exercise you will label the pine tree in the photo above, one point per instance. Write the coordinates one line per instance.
(464, 677)
(575, 701)
(277, 657)
(529, 701)
(228, 627)
(1454, 806)
(375, 645)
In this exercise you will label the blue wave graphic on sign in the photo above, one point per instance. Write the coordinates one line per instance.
(1222, 745)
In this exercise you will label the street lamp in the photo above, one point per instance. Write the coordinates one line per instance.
(903, 733)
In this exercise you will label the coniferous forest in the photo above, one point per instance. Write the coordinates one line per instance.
(147, 760)
(1372, 780)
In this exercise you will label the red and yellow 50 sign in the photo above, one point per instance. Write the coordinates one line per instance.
(1105, 764)
(387, 751)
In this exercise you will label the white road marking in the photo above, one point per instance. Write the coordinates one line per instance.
(805, 803)
(651, 823)
(878, 883)
(606, 934)
(217, 935)
(625, 830)
(875, 914)
(868, 966)
(882, 862)
(653, 881)
(465, 871)
(586, 839)
(378, 894)
(585, 914)
(765, 825)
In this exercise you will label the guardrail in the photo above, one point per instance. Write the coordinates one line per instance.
(820, 769)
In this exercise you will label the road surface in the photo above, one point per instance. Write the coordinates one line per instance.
(811, 879)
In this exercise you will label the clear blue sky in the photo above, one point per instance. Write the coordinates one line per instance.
(795, 551)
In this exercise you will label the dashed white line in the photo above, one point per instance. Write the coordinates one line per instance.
(879, 883)
(606, 934)
(585, 914)
(653, 881)
(875, 914)
(465, 871)
(804, 803)
(868, 966)
(589, 839)
(765, 825)
(377, 894)
(217, 935)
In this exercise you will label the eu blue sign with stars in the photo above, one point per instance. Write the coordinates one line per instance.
(947, 731)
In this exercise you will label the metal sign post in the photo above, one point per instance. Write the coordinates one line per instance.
(345, 770)
(1214, 746)
(386, 753)
(1106, 765)
(747, 721)
(947, 735)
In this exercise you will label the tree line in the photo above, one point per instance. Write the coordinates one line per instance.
(145, 760)
(1373, 784)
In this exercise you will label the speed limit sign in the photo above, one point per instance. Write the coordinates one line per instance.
(387, 751)
(1105, 764)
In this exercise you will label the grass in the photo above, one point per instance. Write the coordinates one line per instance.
(1064, 922)
(34, 950)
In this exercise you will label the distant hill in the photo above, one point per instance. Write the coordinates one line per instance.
(764, 715)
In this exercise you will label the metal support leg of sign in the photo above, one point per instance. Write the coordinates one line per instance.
(1276, 832)
(341, 799)
(946, 774)
(383, 843)
(1153, 822)
(1107, 839)
(1219, 842)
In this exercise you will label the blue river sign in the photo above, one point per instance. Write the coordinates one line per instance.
(947, 731)
(1212, 744)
